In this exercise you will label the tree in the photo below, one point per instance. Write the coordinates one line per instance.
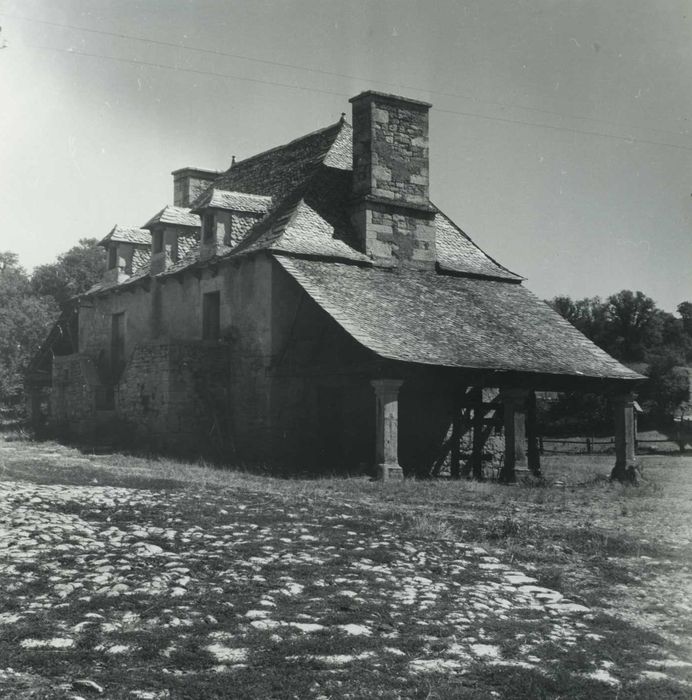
(630, 327)
(666, 389)
(24, 320)
(73, 273)
(588, 315)
(634, 326)
(685, 311)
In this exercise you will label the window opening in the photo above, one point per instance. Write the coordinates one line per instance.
(158, 241)
(211, 316)
(208, 228)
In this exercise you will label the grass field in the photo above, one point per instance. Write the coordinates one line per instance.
(131, 578)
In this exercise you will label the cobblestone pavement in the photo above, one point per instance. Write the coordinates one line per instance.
(136, 590)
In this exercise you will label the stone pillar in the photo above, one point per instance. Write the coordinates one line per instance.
(533, 453)
(625, 436)
(514, 401)
(387, 428)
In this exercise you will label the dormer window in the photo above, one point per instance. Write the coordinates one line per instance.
(112, 257)
(208, 227)
(157, 241)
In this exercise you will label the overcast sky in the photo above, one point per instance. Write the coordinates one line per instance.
(87, 141)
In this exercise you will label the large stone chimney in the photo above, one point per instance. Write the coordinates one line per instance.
(391, 209)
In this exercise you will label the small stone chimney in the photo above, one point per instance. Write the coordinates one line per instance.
(391, 209)
(189, 183)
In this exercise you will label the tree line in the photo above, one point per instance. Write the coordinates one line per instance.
(31, 303)
(630, 327)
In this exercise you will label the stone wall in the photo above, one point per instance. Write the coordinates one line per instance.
(175, 397)
(155, 388)
(396, 235)
(322, 406)
(73, 394)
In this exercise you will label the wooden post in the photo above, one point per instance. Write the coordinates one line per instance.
(478, 436)
(387, 428)
(514, 401)
(625, 460)
(533, 455)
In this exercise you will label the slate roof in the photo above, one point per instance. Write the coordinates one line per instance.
(471, 312)
(276, 172)
(310, 182)
(296, 228)
(451, 321)
(101, 287)
(176, 216)
(127, 234)
(456, 252)
(305, 187)
(236, 201)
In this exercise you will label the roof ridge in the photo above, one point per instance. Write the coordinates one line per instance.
(280, 147)
(158, 213)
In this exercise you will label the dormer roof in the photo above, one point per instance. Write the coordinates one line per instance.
(127, 234)
(215, 198)
(174, 216)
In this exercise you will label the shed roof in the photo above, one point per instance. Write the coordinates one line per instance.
(451, 321)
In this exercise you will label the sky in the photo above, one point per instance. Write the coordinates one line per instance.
(560, 134)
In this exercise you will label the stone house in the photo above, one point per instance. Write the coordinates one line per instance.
(310, 306)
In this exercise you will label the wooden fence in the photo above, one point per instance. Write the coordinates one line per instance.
(590, 445)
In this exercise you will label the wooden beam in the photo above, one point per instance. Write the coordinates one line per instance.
(439, 462)
(456, 437)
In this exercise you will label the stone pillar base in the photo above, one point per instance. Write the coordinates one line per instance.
(626, 474)
(389, 472)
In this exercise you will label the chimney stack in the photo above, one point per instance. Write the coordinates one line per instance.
(392, 212)
(189, 183)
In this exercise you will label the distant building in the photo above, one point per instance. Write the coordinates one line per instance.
(311, 306)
